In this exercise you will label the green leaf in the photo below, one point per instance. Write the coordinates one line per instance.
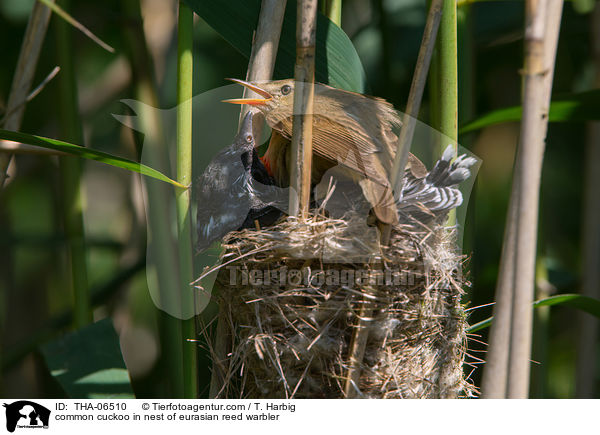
(336, 63)
(86, 153)
(88, 363)
(580, 107)
(584, 303)
(99, 295)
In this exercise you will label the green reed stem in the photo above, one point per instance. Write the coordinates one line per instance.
(333, 10)
(161, 248)
(448, 72)
(448, 82)
(70, 174)
(183, 200)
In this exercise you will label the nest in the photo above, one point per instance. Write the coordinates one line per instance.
(309, 309)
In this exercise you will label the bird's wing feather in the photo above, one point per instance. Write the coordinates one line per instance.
(349, 147)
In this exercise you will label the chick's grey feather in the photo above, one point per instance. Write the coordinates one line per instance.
(433, 196)
(229, 193)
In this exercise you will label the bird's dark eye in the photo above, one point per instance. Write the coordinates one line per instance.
(286, 89)
(249, 138)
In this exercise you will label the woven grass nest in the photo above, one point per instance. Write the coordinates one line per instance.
(310, 309)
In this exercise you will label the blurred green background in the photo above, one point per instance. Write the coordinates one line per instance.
(35, 288)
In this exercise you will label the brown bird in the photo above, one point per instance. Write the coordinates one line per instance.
(351, 130)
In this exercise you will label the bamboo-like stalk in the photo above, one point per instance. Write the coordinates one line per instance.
(530, 154)
(159, 220)
(23, 77)
(495, 373)
(333, 10)
(448, 83)
(264, 52)
(183, 200)
(70, 175)
(448, 93)
(588, 325)
(507, 370)
(304, 75)
(260, 67)
(448, 74)
(553, 21)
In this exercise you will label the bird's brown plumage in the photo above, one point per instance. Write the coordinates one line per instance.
(349, 129)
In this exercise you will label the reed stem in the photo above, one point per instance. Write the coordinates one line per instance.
(448, 84)
(23, 77)
(304, 74)
(448, 73)
(183, 200)
(161, 248)
(333, 10)
(507, 370)
(70, 175)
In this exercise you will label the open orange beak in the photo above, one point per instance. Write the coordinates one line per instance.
(251, 101)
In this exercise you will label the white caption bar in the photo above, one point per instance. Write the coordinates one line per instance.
(115, 416)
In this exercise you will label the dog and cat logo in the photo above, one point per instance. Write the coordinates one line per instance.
(25, 414)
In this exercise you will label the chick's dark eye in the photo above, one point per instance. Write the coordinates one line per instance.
(286, 89)
(249, 138)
